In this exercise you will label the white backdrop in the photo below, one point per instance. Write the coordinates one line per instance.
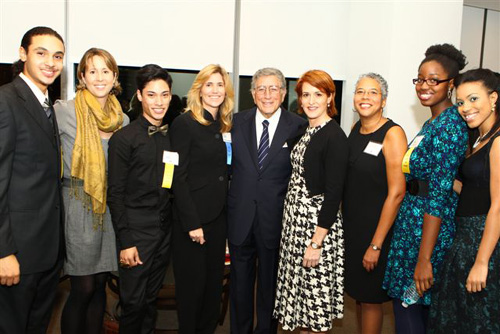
(345, 38)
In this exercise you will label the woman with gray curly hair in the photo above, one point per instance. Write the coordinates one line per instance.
(375, 187)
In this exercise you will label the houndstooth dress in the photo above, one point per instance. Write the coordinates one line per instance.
(308, 297)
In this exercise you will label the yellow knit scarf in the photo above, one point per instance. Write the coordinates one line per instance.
(88, 163)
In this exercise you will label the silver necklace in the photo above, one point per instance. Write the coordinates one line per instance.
(479, 139)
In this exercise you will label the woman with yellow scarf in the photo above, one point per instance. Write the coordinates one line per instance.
(85, 126)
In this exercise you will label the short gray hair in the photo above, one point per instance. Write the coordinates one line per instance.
(268, 71)
(384, 87)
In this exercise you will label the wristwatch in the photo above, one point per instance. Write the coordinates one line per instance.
(315, 245)
(375, 247)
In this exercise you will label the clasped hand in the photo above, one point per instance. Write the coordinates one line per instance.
(130, 257)
(311, 257)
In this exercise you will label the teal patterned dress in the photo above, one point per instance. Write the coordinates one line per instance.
(436, 160)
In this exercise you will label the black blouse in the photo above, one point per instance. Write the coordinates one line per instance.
(475, 197)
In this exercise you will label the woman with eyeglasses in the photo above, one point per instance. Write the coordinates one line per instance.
(467, 297)
(310, 285)
(201, 137)
(424, 227)
(375, 187)
(85, 125)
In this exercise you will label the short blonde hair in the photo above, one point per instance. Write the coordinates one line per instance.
(108, 60)
(194, 102)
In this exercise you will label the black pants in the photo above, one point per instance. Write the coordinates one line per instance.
(198, 272)
(139, 286)
(248, 260)
(27, 306)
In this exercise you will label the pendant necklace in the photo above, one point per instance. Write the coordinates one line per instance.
(479, 139)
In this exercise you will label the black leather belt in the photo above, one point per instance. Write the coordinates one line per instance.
(417, 187)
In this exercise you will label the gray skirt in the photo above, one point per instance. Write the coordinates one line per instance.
(88, 250)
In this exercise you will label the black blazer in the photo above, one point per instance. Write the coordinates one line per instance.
(30, 183)
(200, 180)
(260, 192)
(325, 169)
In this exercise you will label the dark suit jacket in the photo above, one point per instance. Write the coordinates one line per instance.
(260, 192)
(200, 180)
(30, 183)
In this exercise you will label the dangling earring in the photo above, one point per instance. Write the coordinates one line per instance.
(449, 93)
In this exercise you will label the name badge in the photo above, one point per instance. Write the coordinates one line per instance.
(373, 148)
(171, 158)
(405, 165)
(229, 153)
(226, 137)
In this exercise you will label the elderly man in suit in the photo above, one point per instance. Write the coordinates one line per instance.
(31, 244)
(261, 171)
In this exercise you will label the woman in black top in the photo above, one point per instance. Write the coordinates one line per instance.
(310, 276)
(375, 187)
(202, 139)
(467, 296)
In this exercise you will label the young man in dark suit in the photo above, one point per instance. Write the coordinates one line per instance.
(31, 243)
(261, 171)
(139, 201)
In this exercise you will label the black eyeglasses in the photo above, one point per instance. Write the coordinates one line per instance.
(430, 82)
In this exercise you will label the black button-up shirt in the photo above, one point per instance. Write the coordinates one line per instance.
(136, 198)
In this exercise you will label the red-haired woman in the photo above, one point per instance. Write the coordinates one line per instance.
(310, 281)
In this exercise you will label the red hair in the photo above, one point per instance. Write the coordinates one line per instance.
(322, 81)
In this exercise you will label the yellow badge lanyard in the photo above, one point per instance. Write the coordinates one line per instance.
(170, 159)
(405, 166)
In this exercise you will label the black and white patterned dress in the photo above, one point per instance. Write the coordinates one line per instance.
(308, 297)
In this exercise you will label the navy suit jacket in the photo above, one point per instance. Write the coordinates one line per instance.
(30, 183)
(260, 192)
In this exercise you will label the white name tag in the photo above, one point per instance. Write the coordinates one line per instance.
(171, 158)
(373, 148)
(416, 141)
(226, 137)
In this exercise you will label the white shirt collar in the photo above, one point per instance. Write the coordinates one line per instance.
(40, 96)
(273, 124)
(273, 120)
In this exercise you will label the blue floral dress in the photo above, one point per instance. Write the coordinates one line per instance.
(436, 160)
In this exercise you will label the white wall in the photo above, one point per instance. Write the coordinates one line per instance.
(345, 38)
(390, 38)
(492, 41)
(472, 31)
(18, 16)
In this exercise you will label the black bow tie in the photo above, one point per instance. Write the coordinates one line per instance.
(152, 129)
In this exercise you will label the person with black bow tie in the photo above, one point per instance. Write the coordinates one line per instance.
(141, 166)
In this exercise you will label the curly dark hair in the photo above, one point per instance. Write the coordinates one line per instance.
(491, 81)
(448, 56)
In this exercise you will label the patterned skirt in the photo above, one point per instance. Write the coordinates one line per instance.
(453, 309)
(308, 297)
